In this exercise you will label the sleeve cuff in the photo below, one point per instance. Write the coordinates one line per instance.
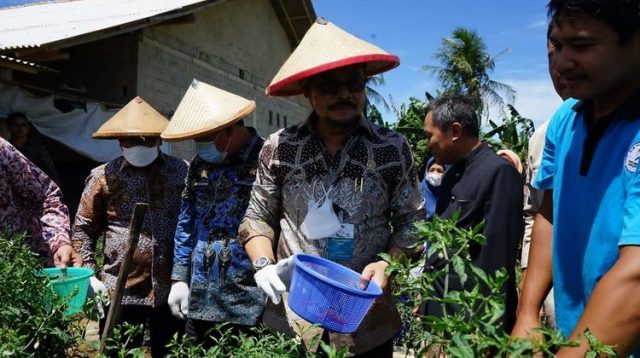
(57, 242)
(180, 273)
(629, 240)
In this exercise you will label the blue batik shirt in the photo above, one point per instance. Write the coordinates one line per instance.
(213, 203)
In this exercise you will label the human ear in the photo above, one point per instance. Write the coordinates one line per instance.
(456, 131)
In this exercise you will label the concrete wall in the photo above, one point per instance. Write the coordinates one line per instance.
(236, 45)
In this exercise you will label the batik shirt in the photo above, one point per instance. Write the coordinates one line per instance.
(31, 202)
(372, 185)
(213, 203)
(106, 207)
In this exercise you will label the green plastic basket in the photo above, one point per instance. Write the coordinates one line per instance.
(65, 284)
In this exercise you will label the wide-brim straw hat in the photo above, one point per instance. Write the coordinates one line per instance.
(136, 119)
(325, 47)
(205, 109)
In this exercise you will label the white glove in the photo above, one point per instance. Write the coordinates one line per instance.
(98, 291)
(275, 279)
(179, 299)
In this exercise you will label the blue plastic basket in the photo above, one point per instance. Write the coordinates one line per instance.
(64, 285)
(328, 294)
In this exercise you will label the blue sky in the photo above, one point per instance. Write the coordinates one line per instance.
(413, 30)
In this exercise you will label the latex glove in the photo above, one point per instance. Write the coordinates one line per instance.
(98, 292)
(179, 299)
(275, 279)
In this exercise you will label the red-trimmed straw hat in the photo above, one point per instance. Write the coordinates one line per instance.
(205, 109)
(136, 119)
(326, 47)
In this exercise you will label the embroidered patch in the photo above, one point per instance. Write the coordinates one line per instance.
(632, 159)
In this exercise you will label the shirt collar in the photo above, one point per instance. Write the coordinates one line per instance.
(629, 110)
(475, 153)
(364, 126)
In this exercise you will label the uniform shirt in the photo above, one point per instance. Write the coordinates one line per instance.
(106, 207)
(533, 196)
(484, 187)
(213, 203)
(31, 202)
(593, 171)
(372, 184)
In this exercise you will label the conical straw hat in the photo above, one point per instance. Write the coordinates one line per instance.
(206, 109)
(137, 118)
(326, 47)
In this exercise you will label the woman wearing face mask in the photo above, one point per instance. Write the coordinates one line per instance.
(430, 185)
(141, 174)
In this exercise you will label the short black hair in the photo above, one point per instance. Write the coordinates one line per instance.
(448, 109)
(623, 16)
(15, 115)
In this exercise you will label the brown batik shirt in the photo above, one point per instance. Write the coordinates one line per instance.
(372, 184)
(106, 207)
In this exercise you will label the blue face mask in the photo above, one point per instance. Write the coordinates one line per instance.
(209, 152)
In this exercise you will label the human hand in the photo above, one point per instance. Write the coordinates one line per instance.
(374, 271)
(275, 279)
(526, 328)
(179, 299)
(65, 256)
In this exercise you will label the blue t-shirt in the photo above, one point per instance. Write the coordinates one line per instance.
(593, 215)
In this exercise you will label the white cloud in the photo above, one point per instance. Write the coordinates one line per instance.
(538, 24)
(536, 98)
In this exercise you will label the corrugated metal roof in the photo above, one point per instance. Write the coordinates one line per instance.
(46, 23)
(22, 65)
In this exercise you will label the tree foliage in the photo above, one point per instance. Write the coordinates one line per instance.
(465, 66)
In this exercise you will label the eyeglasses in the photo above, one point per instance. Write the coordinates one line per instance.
(332, 87)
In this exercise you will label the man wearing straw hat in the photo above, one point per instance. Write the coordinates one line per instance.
(213, 277)
(142, 174)
(337, 171)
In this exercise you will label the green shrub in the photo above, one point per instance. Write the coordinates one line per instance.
(474, 330)
(32, 319)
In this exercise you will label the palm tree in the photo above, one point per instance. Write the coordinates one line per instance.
(373, 96)
(465, 68)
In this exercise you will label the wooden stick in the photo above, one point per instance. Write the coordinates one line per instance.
(134, 235)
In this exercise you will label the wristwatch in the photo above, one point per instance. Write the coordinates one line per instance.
(262, 262)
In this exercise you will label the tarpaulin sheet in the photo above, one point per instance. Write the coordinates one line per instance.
(73, 128)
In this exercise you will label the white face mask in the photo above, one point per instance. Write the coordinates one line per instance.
(320, 222)
(139, 155)
(435, 179)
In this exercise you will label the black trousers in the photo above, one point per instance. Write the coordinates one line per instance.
(162, 326)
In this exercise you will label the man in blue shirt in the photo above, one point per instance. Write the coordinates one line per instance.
(212, 274)
(591, 204)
